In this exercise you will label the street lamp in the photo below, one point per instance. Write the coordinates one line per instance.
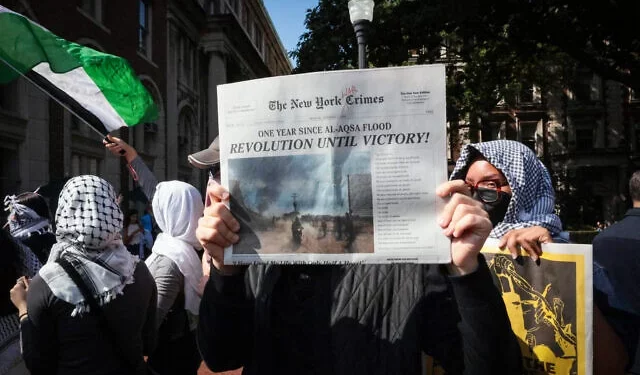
(361, 14)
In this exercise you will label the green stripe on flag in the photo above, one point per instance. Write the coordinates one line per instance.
(25, 44)
(111, 74)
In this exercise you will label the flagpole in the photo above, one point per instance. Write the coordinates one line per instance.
(32, 77)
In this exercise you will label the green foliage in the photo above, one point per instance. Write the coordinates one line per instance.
(493, 48)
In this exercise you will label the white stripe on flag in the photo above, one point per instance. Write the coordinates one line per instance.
(78, 85)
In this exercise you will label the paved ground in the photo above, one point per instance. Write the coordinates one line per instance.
(205, 371)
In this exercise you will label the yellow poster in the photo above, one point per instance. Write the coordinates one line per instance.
(550, 306)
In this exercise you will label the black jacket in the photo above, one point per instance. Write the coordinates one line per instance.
(364, 319)
(616, 255)
(54, 342)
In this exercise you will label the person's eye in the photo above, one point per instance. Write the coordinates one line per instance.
(488, 184)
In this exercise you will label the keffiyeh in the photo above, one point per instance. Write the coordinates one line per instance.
(23, 221)
(88, 225)
(533, 196)
(177, 206)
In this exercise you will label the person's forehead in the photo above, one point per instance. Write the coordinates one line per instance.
(481, 169)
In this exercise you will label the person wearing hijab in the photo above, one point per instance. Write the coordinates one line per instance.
(515, 189)
(147, 181)
(62, 331)
(30, 223)
(176, 267)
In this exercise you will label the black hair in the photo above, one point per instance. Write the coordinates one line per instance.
(36, 202)
(634, 186)
(127, 219)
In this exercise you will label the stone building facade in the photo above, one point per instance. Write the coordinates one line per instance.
(180, 49)
(588, 136)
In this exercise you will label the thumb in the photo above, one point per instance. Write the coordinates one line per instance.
(215, 193)
(114, 139)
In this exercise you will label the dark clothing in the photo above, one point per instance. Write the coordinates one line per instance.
(41, 245)
(176, 337)
(616, 256)
(356, 319)
(56, 342)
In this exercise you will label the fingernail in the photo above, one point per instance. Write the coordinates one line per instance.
(225, 196)
(235, 238)
(514, 256)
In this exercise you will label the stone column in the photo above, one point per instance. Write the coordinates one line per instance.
(217, 75)
(172, 105)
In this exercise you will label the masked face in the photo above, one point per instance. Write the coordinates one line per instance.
(490, 187)
(496, 209)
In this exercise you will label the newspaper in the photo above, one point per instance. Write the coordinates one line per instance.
(336, 167)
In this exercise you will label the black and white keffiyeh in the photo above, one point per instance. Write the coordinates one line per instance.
(88, 225)
(23, 221)
(533, 197)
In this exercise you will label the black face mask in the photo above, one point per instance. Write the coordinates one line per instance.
(497, 209)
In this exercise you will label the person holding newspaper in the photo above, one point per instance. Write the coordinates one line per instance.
(514, 187)
(356, 319)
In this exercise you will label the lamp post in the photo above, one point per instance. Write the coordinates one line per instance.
(361, 14)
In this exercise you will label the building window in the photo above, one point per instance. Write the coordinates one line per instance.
(245, 18)
(185, 132)
(83, 164)
(9, 96)
(186, 61)
(528, 135)
(584, 139)
(144, 27)
(511, 132)
(92, 8)
(588, 87)
(150, 137)
(526, 94)
(234, 5)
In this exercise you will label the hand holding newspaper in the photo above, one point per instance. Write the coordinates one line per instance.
(336, 167)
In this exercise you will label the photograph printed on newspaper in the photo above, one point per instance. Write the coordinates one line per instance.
(336, 167)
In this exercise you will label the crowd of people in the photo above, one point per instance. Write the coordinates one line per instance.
(89, 300)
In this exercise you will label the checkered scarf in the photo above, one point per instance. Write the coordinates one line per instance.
(88, 225)
(532, 203)
(23, 221)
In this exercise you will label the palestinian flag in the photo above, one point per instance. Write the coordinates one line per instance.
(100, 88)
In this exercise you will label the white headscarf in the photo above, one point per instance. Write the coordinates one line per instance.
(177, 206)
(88, 225)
